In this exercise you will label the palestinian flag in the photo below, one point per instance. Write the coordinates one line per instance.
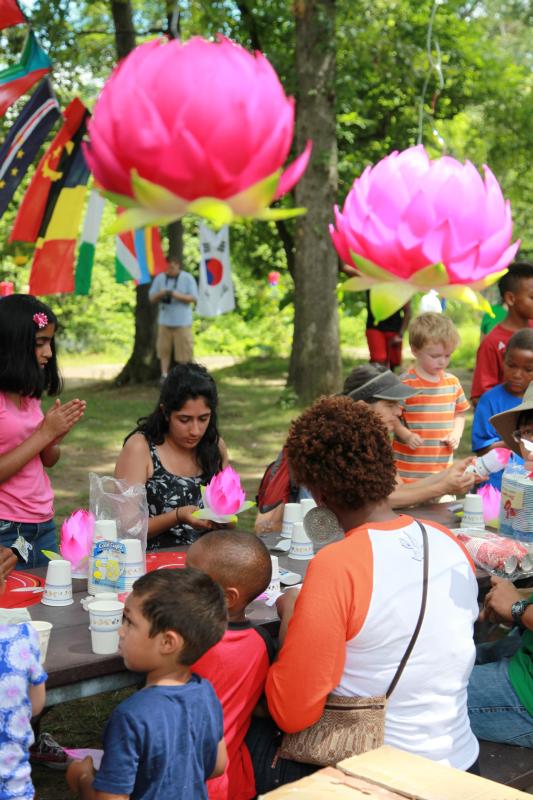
(17, 79)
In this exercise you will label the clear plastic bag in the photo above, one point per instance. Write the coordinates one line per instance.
(125, 503)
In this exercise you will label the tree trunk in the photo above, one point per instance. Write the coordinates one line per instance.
(175, 240)
(315, 366)
(142, 365)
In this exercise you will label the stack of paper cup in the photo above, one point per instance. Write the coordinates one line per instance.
(473, 512)
(134, 565)
(43, 629)
(291, 513)
(105, 529)
(301, 544)
(306, 504)
(58, 584)
(106, 619)
(274, 586)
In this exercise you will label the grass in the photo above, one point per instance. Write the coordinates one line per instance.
(255, 413)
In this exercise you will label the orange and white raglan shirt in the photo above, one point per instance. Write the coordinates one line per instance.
(352, 622)
(430, 413)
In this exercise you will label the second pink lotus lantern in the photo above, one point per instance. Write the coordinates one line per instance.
(410, 224)
(197, 127)
(223, 498)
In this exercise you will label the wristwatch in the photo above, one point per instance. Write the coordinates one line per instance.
(518, 608)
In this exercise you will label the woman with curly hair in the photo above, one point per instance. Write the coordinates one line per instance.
(175, 451)
(383, 391)
(361, 597)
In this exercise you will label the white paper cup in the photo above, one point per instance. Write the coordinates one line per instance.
(306, 505)
(105, 529)
(274, 585)
(301, 544)
(473, 503)
(43, 629)
(58, 584)
(291, 513)
(135, 565)
(106, 619)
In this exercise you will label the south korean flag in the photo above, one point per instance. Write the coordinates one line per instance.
(216, 295)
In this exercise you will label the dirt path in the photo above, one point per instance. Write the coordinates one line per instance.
(80, 374)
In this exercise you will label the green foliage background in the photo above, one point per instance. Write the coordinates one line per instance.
(483, 112)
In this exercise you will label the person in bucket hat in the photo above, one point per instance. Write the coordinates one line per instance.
(516, 425)
(384, 392)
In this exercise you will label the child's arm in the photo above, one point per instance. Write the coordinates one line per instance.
(452, 480)
(37, 698)
(51, 453)
(454, 437)
(222, 760)
(411, 439)
(57, 422)
(80, 776)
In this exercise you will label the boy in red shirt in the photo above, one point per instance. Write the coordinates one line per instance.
(516, 288)
(238, 665)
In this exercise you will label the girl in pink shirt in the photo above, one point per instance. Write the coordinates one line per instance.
(29, 439)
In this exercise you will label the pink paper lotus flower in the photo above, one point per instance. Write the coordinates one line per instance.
(201, 127)
(77, 538)
(410, 224)
(223, 497)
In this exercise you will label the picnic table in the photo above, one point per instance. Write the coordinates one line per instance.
(74, 671)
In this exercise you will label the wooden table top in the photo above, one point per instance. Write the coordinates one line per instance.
(70, 658)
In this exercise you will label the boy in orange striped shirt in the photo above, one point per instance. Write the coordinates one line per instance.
(433, 420)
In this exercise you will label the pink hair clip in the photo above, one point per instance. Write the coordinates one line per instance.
(41, 320)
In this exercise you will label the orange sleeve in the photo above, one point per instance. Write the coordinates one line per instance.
(329, 611)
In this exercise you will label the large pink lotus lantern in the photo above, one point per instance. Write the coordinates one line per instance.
(223, 497)
(201, 127)
(410, 224)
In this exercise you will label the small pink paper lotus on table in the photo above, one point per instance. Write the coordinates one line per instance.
(410, 224)
(223, 498)
(194, 127)
(77, 540)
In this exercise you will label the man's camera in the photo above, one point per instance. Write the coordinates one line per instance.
(167, 297)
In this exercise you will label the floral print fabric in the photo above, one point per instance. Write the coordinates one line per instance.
(20, 667)
(166, 492)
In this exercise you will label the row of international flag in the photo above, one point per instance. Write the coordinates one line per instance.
(51, 210)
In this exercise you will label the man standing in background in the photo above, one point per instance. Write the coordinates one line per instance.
(176, 291)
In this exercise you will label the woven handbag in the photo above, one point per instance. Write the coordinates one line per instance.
(351, 725)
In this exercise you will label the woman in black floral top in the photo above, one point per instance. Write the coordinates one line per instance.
(175, 451)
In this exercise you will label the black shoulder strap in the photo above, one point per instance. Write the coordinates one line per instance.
(414, 637)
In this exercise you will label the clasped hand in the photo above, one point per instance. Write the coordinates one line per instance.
(59, 419)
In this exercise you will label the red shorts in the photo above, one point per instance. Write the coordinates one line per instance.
(383, 349)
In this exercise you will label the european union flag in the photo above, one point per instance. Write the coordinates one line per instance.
(24, 140)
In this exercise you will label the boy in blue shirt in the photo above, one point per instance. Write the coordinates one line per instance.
(166, 740)
(517, 373)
